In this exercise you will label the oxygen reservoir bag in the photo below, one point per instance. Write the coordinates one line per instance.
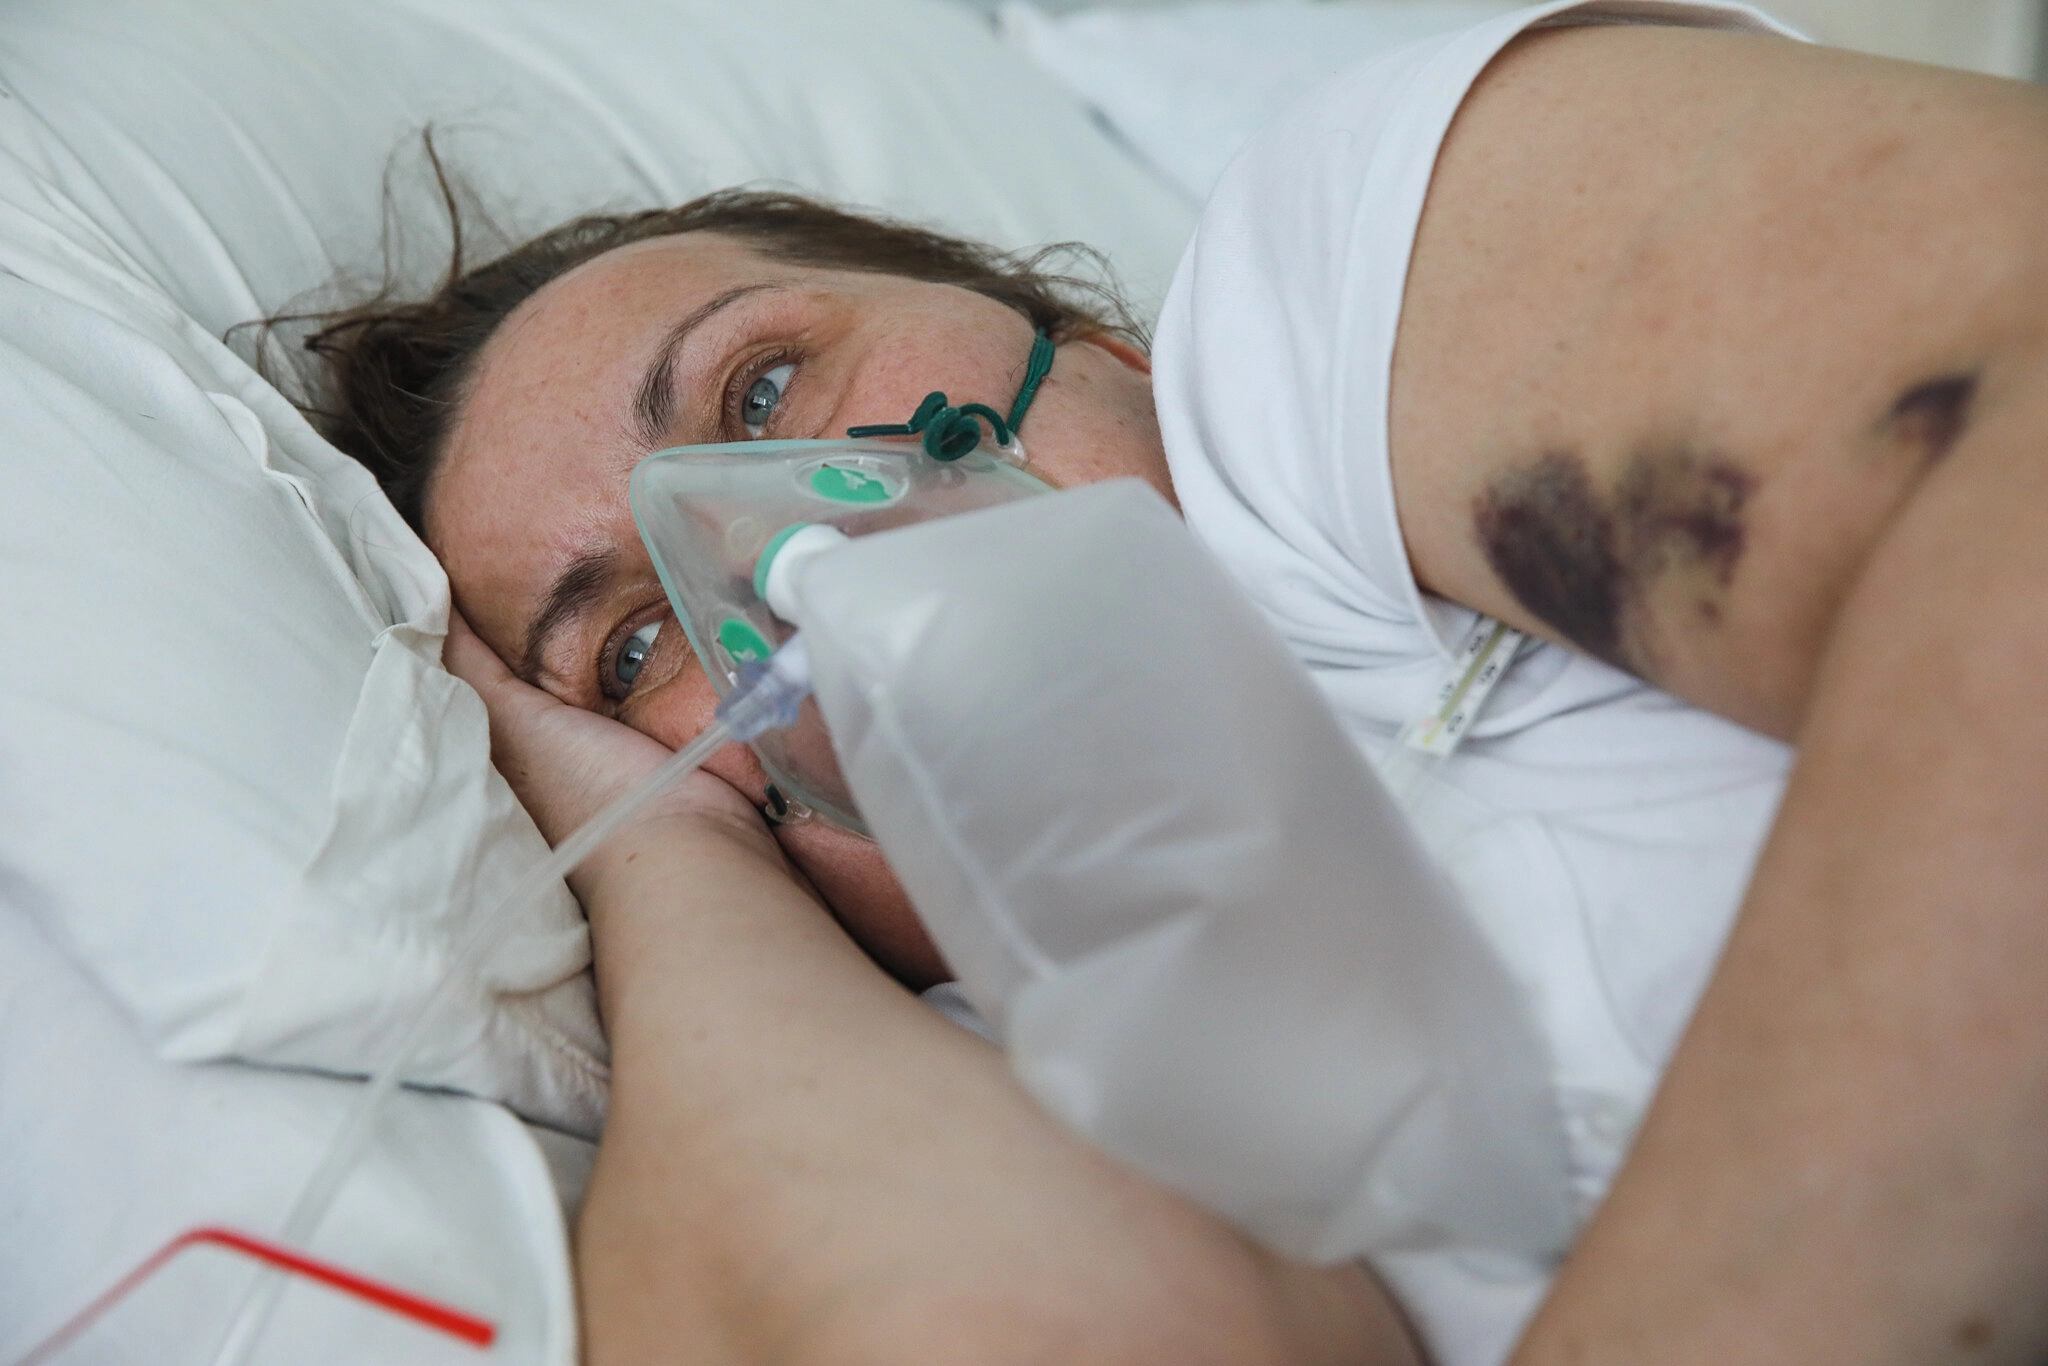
(1168, 880)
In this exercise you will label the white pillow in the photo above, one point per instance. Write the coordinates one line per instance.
(234, 781)
(236, 149)
(235, 784)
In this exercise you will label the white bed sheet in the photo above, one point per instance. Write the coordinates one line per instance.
(110, 1153)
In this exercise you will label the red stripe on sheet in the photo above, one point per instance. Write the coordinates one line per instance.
(477, 1332)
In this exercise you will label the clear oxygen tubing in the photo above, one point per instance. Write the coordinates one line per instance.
(767, 697)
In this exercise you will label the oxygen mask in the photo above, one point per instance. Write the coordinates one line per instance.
(715, 517)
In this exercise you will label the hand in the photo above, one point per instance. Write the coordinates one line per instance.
(565, 763)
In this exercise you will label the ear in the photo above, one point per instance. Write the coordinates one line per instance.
(1122, 350)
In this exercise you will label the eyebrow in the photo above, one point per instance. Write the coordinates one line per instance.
(654, 403)
(578, 588)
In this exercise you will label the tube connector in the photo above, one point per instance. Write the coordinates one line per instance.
(769, 692)
(787, 551)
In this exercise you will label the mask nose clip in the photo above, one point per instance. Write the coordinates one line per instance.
(950, 432)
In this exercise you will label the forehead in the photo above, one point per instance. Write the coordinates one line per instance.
(565, 350)
(537, 461)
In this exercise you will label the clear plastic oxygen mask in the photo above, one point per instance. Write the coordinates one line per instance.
(715, 518)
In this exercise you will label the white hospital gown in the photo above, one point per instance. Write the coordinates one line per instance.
(1602, 830)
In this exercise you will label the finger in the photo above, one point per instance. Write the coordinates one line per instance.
(467, 657)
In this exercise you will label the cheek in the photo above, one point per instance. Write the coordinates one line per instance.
(678, 711)
(885, 386)
(976, 362)
(866, 899)
(848, 871)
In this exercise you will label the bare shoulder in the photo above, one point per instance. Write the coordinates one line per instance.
(1690, 316)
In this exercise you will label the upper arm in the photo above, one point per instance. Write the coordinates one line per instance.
(803, 1163)
(1689, 318)
(1723, 358)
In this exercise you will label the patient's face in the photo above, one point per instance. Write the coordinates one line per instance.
(531, 498)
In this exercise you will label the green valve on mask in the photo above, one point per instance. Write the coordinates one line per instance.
(844, 484)
(742, 641)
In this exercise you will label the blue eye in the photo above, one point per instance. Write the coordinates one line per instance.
(634, 654)
(762, 396)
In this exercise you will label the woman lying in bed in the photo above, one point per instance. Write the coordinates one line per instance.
(1720, 359)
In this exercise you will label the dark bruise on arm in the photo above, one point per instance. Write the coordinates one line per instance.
(1590, 562)
(1551, 541)
(1582, 562)
(1931, 415)
(1678, 514)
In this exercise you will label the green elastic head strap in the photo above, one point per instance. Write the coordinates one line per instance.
(950, 433)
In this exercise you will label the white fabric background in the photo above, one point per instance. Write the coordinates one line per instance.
(243, 812)
(1187, 85)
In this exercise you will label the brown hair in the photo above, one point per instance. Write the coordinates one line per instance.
(392, 374)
